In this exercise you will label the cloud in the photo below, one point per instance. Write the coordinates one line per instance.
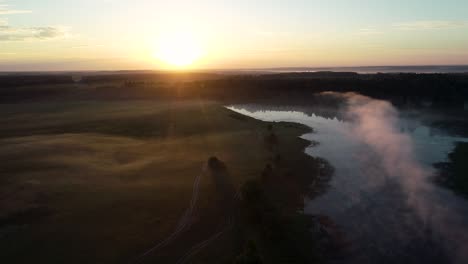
(368, 31)
(12, 33)
(9, 33)
(274, 33)
(86, 46)
(5, 10)
(48, 32)
(431, 25)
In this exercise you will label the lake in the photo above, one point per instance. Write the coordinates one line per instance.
(381, 194)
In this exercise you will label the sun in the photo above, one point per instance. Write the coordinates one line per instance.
(179, 50)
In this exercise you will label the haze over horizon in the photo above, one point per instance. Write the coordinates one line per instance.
(143, 34)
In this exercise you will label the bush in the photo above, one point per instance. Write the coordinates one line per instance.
(252, 192)
(250, 255)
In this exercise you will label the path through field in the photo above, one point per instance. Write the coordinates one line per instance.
(184, 222)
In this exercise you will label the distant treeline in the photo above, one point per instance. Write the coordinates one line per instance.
(401, 89)
(434, 89)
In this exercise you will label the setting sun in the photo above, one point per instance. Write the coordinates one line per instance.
(300, 131)
(178, 50)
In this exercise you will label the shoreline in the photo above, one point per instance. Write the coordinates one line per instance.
(315, 231)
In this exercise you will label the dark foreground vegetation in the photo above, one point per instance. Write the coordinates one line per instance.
(454, 173)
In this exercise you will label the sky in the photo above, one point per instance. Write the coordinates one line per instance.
(129, 34)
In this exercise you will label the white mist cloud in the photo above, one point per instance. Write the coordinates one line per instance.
(375, 123)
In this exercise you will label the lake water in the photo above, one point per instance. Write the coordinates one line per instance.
(381, 195)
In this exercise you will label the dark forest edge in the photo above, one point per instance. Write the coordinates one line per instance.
(402, 89)
(453, 173)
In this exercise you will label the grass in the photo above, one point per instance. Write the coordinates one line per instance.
(101, 182)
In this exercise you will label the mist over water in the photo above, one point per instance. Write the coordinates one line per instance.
(381, 194)
(376, 124)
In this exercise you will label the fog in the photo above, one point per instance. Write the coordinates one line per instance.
(381, 194)
(376, 123)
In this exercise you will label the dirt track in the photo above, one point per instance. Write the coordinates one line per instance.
(184, 222)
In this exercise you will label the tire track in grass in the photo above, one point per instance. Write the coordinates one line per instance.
(184, 222)
(200, 246)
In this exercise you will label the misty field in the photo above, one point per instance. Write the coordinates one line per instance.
(102, 182)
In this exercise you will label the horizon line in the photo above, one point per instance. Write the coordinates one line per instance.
(241, 68)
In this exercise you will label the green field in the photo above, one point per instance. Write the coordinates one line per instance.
(102, 182)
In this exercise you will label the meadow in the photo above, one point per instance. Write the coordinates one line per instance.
(104, 181)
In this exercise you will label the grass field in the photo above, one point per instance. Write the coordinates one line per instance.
(101, 182)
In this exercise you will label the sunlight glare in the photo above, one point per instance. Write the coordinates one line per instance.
(178, 49)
